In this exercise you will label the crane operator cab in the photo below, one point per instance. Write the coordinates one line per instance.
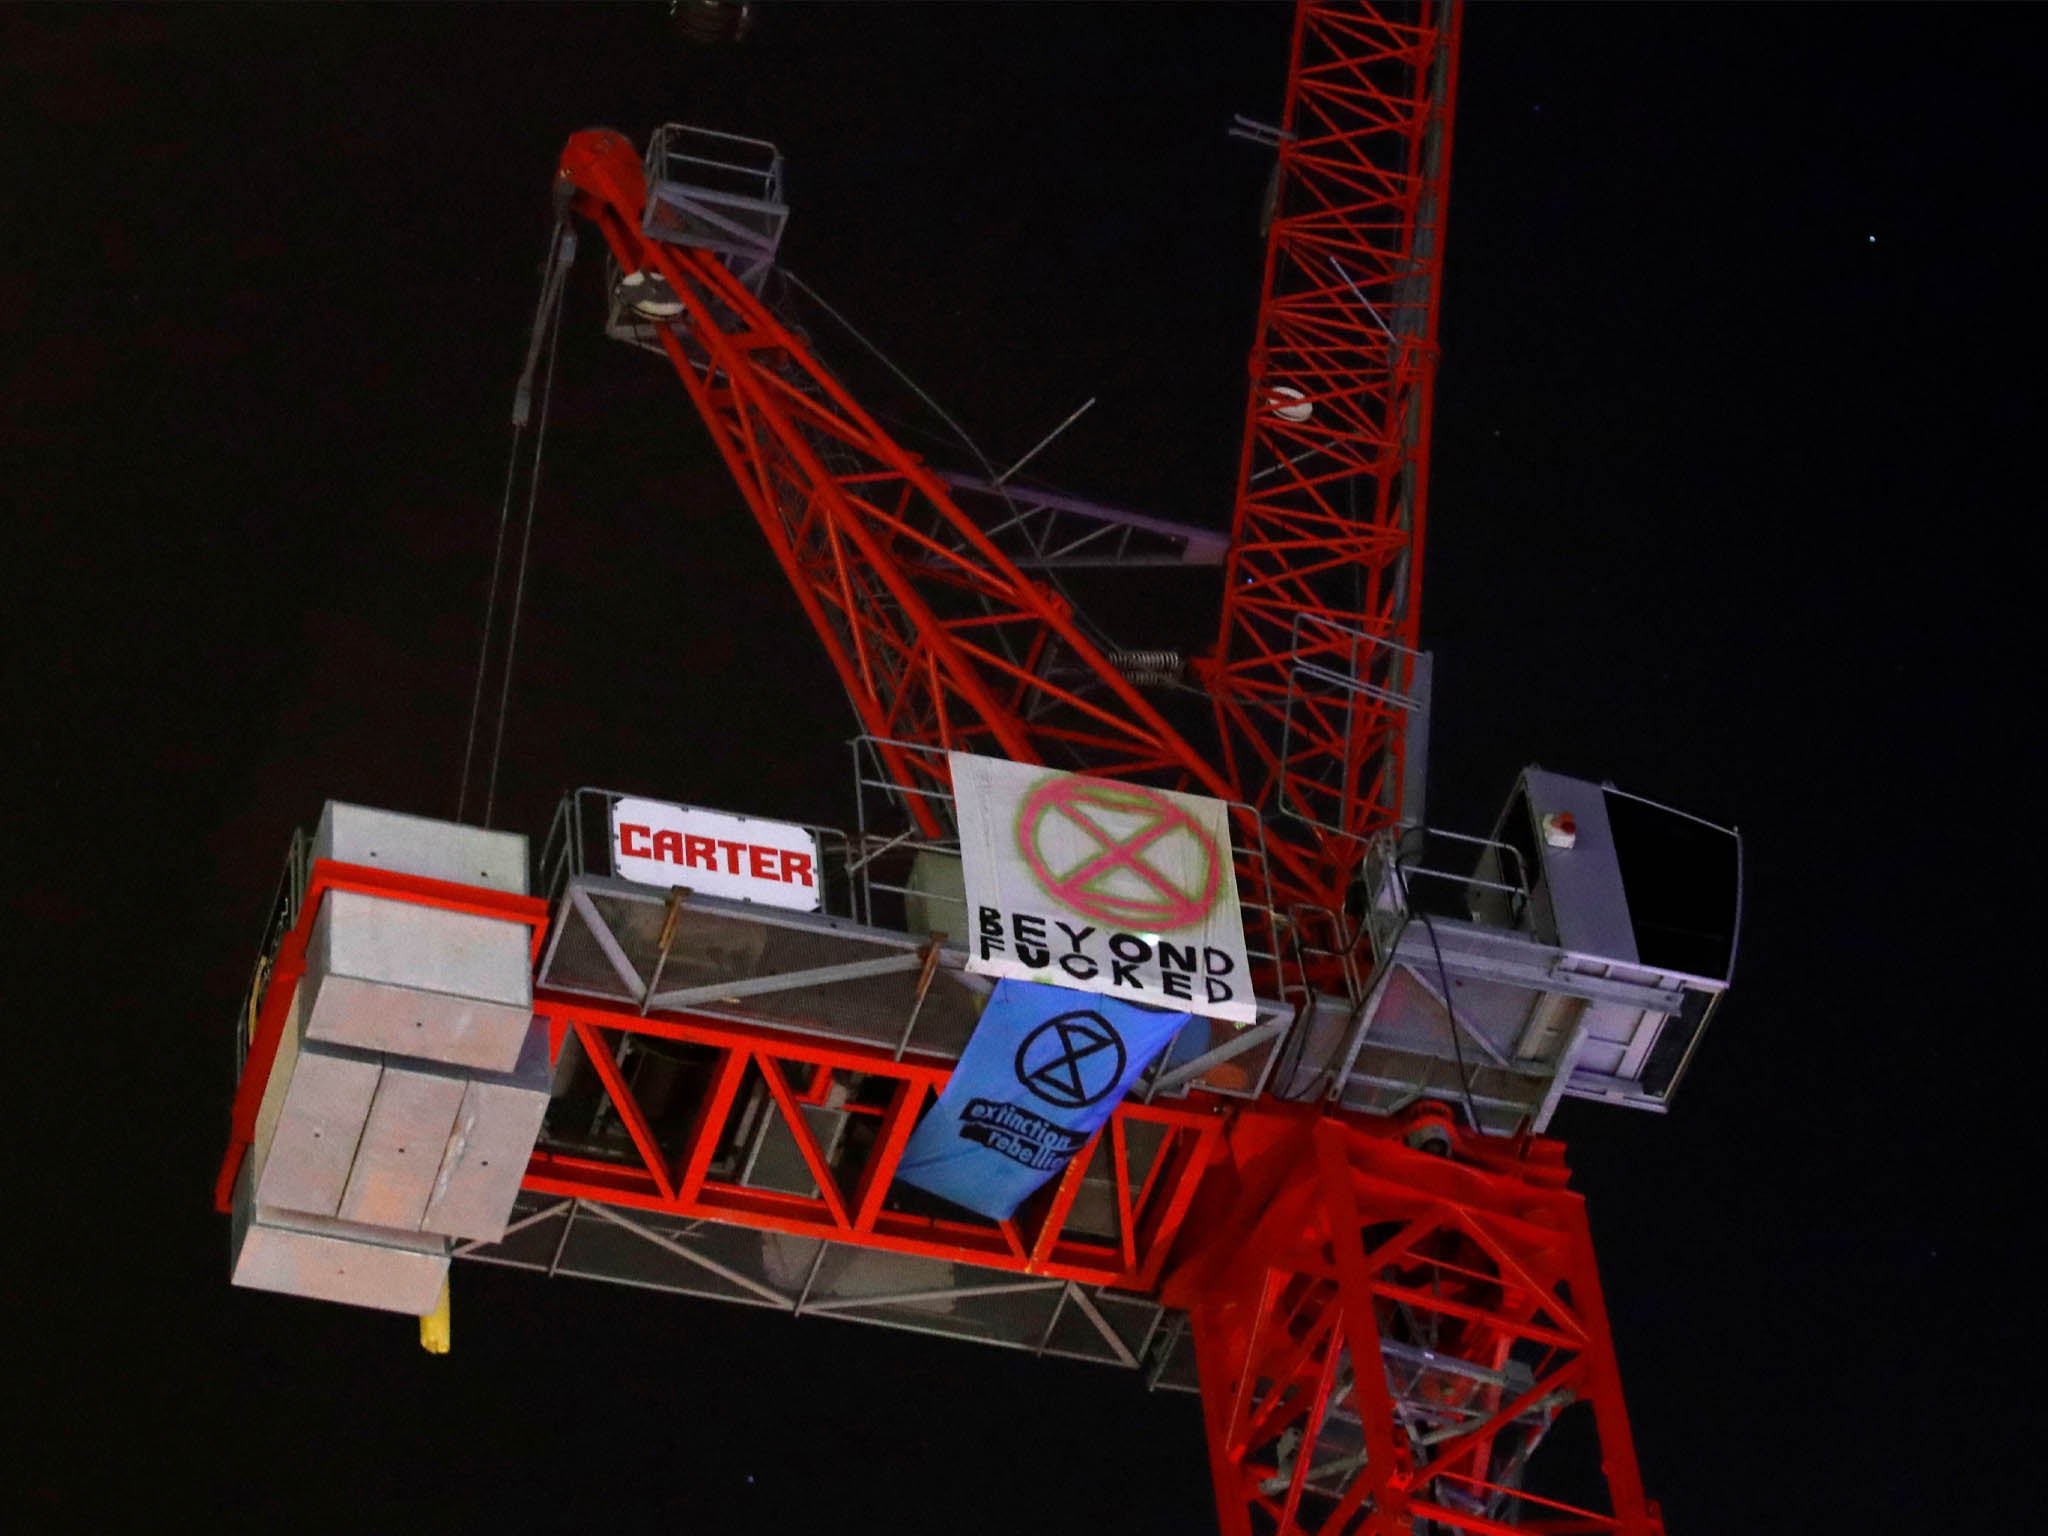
(1578, 951)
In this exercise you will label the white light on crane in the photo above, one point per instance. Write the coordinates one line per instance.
(648, 293)
(1289, 403)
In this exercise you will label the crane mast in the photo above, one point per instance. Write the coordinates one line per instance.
(1317, 671)
(1353, 1241)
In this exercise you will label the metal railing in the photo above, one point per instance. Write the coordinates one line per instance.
(879, 801)
(720, 192)
(282, 916)
(1335, 667)
(718, 162)
(1393, 865)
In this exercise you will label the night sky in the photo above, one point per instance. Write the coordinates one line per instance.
(1724, 508)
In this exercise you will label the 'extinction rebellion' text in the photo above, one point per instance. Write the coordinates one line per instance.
(1020, 1135)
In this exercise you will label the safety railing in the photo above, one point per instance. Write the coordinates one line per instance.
(1396, 863)
(720, 192)
(728, 163)
(881, 801)
(281, 917)
(1340, 675)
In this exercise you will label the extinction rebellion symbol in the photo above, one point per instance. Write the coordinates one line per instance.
(1097, 849)
(1072, 1061)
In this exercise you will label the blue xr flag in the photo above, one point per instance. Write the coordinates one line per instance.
(1043, 1071)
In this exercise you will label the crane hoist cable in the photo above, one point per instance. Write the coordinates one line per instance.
(545, 339)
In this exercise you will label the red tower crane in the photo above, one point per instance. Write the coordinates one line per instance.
(1387, 1287)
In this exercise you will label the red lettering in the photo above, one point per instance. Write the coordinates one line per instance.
(668, 845)
(626, 848)
(796, 867)
(732, 855)
(700, 853)
(761, 863)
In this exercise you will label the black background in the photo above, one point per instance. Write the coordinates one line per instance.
(1726, 507)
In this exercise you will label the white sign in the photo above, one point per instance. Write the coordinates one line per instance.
(712, 854)
(1102, 887)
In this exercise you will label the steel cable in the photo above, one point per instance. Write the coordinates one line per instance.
(1100, 637)
(553, 322)
(546, 334)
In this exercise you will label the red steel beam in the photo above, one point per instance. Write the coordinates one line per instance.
(1385, 1335)
(1325, 561)
(937, 636)
(1316, 1237)
(849, 1206)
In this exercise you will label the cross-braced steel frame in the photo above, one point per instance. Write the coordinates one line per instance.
(1154, 1155)
(936, 634)
(940, 637)
(1314, 673)
(1386, 1334)
(1300, 1243)
(846, 1204)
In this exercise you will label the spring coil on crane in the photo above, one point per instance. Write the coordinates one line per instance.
(1157, 668)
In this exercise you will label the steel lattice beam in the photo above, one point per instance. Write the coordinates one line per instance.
(1315, 658)
(1152, 1192)
(1386, 1335)
(936, 635)
(1152, 1197)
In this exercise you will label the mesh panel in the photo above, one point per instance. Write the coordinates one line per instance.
(576, 963)
(1171, 1363)
(696, 216)
(601, 1250)
(531, 1247)
(1076, 1337)
(1131, 1318)
(1016, 1319)
(777, 1163)
(850, 1273)
(712, 946)
(929, 1295)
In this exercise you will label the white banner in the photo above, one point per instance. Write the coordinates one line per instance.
(709, 853)
(1102, 887)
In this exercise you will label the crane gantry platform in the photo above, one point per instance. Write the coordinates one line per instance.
(687, 1048)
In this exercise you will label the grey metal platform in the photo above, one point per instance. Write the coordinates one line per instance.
(813, 1278)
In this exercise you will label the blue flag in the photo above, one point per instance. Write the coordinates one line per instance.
(1043, 1071)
